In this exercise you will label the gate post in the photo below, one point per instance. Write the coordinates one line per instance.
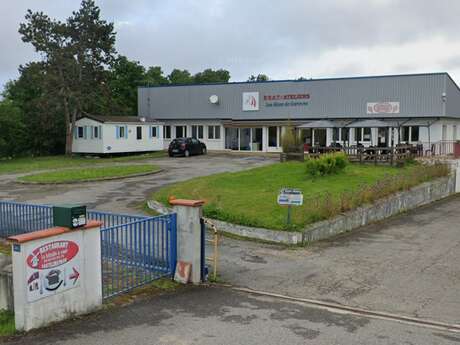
(189, 234)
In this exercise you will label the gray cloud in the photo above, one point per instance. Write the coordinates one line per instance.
(285, 39)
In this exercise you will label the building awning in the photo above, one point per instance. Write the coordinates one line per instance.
(375, 124)
(420, 122)
(324, 124)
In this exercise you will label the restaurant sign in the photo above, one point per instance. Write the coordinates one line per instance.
(287, 100)
(383, 108)
(52, 268)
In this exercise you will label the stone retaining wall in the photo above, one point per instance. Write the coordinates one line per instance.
(385, 208)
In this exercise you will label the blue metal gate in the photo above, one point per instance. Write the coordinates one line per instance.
(135, 249)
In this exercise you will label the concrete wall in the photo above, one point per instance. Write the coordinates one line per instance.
(395, 204)
(34, 311)
(6, 283)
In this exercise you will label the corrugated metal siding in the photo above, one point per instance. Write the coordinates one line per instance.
(453, 98)
(419, 95)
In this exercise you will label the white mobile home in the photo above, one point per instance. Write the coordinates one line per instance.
(117, 134)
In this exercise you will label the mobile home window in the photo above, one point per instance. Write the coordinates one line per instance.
(414, 135)
(154, 132)
(122, 132)
(167, 132)
(81, 132)
(139, 132)
(96, 132)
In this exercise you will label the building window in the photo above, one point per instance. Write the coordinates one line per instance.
(81, 132)
(454, 133)
(367, 134)
(405, 133)
(139, 132)
(167, 132)
(345, 134)
(358, 134)
(414, 135)
(181, 131)
(273, 136)
(335, 134)
(96, 132)
(213, 132)
(197, 132)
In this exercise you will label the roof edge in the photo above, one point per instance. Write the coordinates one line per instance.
(302, 80)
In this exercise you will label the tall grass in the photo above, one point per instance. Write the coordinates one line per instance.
(326, 206)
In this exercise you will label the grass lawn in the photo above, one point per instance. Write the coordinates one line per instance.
(250, 197)
(6, 323)
(85, 174)
(28, 164)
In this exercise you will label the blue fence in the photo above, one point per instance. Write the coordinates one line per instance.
(135, 249)
(136, 253)
(18, 218)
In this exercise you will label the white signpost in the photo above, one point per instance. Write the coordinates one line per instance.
(290, 197)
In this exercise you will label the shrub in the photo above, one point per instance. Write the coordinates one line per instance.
(327, 164)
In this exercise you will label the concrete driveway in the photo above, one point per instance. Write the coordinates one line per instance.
(408, 265)
(126, 195)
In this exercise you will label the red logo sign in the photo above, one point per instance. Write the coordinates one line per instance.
(52, 254)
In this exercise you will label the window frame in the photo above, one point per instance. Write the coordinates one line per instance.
(139, 133)
(82, 129)
(167, 132)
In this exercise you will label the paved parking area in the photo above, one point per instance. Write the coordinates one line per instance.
(126, 195)
(408, 265)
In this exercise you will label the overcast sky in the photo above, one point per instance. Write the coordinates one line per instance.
(283, 39)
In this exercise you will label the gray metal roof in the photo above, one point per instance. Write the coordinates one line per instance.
(417, 96)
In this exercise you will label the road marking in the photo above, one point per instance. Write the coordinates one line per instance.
(342, 309)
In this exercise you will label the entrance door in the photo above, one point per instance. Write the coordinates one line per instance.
(231, 138)
(245, 139)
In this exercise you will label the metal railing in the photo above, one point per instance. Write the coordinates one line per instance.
(135, 249)
(17, 218)
(137, 253)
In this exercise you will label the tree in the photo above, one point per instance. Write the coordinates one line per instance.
(12, 129)
(154, 77)
(125, 77)
(259, 77)
(37, 98)
(180, 77)
(211, 76)
(75, 54)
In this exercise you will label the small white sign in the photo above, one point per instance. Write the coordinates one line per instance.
(383, 108)
(52, 268)
(289, 196)
(250, 101)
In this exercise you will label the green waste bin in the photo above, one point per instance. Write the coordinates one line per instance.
(69, 216)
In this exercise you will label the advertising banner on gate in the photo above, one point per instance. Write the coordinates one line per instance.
(52, 268)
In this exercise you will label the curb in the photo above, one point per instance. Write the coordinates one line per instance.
(91, 180)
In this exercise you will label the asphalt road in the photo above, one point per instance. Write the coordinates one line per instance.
(406, 265)
(220, 316)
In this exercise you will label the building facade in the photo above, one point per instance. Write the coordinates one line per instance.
(252, 116)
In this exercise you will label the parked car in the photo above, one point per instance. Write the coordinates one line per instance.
(186, 147)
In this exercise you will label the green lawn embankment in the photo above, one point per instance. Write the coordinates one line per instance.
(250, 197)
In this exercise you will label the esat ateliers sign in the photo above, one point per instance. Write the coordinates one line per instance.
(52, 268)
(287, 100)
